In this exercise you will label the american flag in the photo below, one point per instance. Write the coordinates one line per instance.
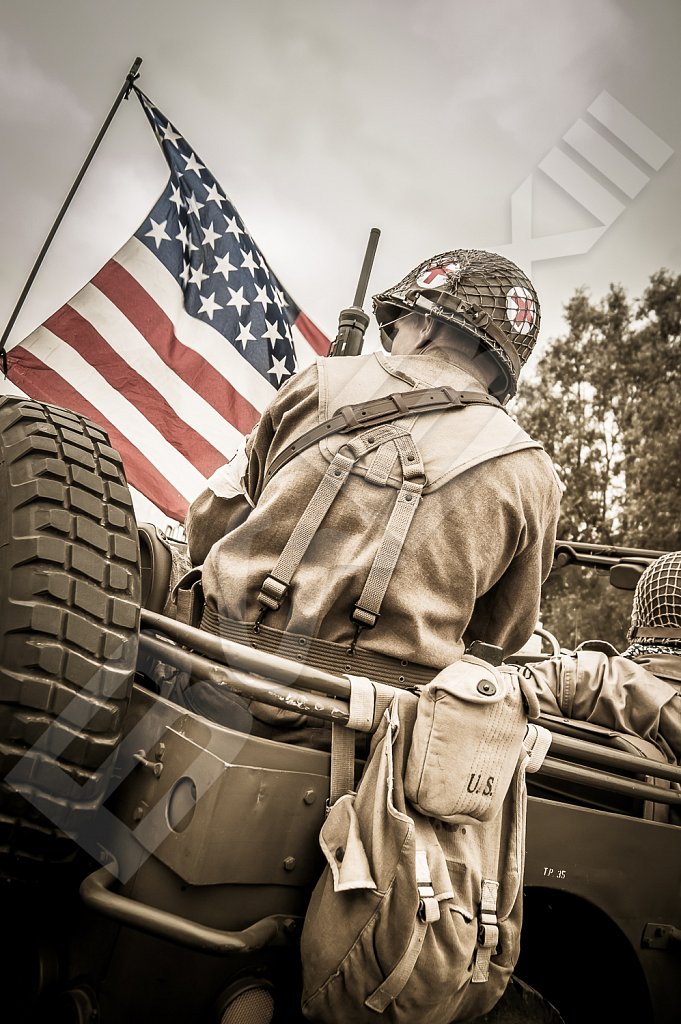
(179, 342)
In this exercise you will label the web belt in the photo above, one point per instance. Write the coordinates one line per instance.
(381, 410)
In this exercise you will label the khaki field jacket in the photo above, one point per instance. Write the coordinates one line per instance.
(477, 551)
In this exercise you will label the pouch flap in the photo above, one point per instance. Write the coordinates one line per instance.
(472, 680)
(343, 848)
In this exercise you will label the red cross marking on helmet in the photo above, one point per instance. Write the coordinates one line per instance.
(433, 275)
(520, 309)
(525, 310)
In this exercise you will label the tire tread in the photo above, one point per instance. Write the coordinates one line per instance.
(70, 593)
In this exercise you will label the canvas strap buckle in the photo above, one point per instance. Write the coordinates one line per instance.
(362, 619)
(349, 414)
(272, 593)
(429, 908)
(488, 931)
(365, 619)
(453, 396)
(400, 402)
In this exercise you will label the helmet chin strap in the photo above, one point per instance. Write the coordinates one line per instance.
(386, 338)
(427, 329)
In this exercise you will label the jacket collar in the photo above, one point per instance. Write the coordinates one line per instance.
(430, 369)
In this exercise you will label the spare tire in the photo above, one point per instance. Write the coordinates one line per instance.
(70, 593)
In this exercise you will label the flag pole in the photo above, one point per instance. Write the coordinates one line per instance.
(132, 74)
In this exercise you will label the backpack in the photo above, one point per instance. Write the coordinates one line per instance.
(417, 914)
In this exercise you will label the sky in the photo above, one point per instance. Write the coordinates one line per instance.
(545, 130)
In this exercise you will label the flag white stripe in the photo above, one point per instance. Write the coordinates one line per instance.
(196, 334)
(132, 346)
(64, 360)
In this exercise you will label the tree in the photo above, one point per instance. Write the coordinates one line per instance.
(606, 404)
(650, 419)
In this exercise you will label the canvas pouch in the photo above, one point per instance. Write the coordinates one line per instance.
(412, 919)
(471, 719)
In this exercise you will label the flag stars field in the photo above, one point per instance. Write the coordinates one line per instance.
(197, 276)
(272, 333)
(244, 335)
(248, 261)
(224, 266)
(184, 238)
(193, 205)
(262, 296)
(169, 135)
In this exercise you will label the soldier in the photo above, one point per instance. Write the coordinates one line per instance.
(383, 550)
(639, 691)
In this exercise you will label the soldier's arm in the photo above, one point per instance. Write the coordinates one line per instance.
(554, 682)
(219, 509)
(231, 493)
(610, 691)
(508, 613)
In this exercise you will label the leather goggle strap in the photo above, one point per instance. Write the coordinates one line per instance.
(655, 633)
(275, 587)
(381, 410)
(367, 609)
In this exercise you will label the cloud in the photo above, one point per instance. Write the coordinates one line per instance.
(29, 95)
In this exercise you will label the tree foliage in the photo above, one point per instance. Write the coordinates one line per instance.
(606, 404)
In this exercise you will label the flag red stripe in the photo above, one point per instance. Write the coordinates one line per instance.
(313, 336)
(123, 289)
(68, 324)
(44, 384)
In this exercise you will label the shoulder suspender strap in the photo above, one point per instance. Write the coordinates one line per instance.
(368, 607)
(381, 410)
(276, 585)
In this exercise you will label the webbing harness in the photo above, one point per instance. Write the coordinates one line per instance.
(276, 586)
(376, 414)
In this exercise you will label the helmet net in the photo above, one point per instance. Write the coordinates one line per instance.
(481, 281)
(657, 598)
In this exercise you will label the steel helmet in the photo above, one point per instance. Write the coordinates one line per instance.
(481, 293)
(656, 609)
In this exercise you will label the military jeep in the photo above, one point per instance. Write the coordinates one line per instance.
(157, 866)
